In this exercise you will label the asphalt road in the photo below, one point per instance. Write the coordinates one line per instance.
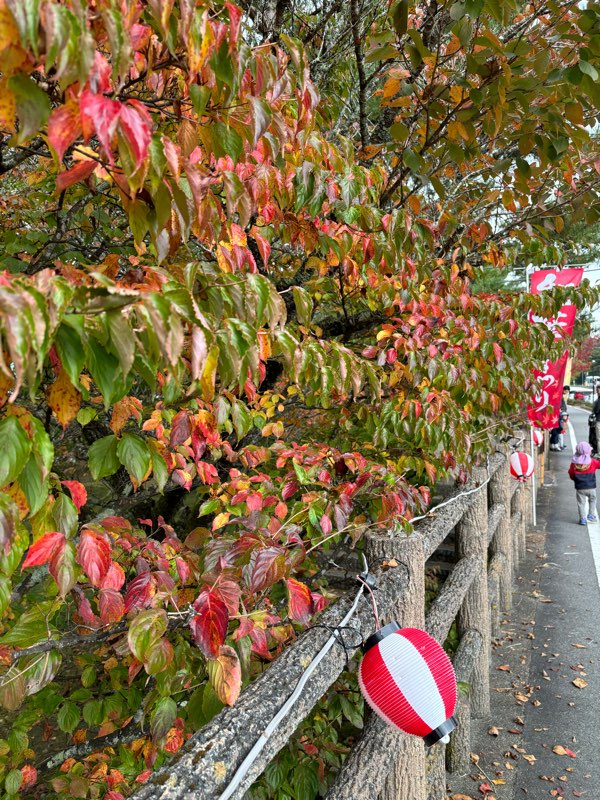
(542, 738)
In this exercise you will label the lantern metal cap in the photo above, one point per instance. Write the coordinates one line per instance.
(379, 635)
(441, 731)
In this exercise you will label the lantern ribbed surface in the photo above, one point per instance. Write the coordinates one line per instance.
(538, 437)
(408, 680)
(521, 466)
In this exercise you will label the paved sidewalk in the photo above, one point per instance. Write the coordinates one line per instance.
(542, 739)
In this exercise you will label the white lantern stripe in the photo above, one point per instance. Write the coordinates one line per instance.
(382, 692)
(521, 466)
(408, 680)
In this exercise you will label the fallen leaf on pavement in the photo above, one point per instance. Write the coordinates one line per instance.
(504, 668)
(579, 683)
(580, 646)
(563, 751)
(493, 731)
(521, 698)
(529, 758)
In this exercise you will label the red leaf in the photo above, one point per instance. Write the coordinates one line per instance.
(102, 116)
(114, 578)
(143, 776)
(230, 593)
(267, 567)
(257, 635)
(290, 489)
(64, 126)
(498, 352)
(174, 740)
(78, 493)
(254, 501)
(263, 245)
(300, 603)
(84, 610)
(62, 567)
(326, 525)
(81, 171)
(93, 553)
(235, 15)
(136, 126)
(183, 570)
(209, 625)
(44, 549)
(111, 606)
(140, 591)
(181, 429)
(207, 472)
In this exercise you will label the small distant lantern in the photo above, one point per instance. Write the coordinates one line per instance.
(521, 466)
(538, 437)
(408, 680)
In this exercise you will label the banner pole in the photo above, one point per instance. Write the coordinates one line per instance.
(533, 478)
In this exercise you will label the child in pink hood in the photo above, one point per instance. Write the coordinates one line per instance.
(582, 472)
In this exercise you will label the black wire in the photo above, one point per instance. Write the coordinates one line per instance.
(337, 631)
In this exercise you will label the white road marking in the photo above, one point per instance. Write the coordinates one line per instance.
(594, 534)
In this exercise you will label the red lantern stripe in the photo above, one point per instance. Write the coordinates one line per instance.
(521, 466)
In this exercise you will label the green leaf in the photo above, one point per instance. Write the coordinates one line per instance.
(163, 717)
(121, 337)
(88, 676)
(305, 781)
(104, 369)
(33, 106)
(65, 515)
(588, 69)
(30, 628)
(33, 485)
(93, 712)
(399, 14)
(68, 717)
(86, 415)
(16, 447)
(135, 456)
(102, 457)
(199, 96)
(71, 353)
(304, 305)
(241, 418)
(13, 781)
(145, 631)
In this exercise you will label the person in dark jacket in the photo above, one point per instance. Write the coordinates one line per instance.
(582, 472)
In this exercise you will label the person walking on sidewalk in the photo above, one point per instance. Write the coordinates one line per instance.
(582, 472)
(563, 420)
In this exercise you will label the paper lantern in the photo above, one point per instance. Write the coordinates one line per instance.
(538, 437)
(521, 466)
(408, 680)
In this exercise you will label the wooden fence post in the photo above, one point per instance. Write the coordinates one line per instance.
(404, 755)
(502, 545)
(472, 540)
(407, 778)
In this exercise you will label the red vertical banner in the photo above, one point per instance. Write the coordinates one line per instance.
(545, 406)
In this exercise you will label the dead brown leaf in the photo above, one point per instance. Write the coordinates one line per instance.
(493, 731)
(503, 668)
(579, 683)
(530, 758)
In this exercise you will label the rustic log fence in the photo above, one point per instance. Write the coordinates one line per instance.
(488, 521)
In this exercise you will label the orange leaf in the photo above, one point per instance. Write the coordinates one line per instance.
(64, 399)
(225, 674)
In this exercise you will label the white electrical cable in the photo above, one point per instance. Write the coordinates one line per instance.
(455, 497)
(272, 726)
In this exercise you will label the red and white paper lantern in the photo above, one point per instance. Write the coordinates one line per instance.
(538, 437)
(521, 466)
(408, 680)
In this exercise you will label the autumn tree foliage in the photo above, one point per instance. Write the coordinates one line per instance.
(238, 246)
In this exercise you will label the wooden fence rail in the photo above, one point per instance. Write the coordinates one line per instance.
(488, 520)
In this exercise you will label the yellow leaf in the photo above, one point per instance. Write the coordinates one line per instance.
(8, 108)
(579, 683)
(207, 381)
(64, 399)
(220, 520)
